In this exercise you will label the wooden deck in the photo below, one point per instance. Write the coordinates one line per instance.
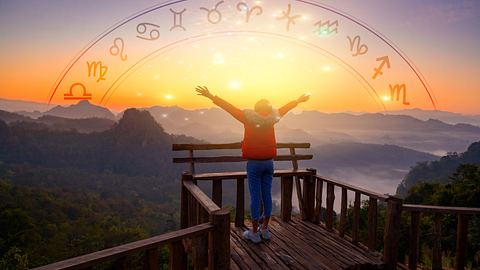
(299, 245)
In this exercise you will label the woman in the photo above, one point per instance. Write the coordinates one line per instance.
(259, 148)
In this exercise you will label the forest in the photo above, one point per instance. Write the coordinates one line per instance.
(66, 193)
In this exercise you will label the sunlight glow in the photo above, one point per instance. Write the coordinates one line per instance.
(326, 68)
(169, 97)
(234, 85)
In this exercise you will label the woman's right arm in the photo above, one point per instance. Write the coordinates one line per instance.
(234, 111)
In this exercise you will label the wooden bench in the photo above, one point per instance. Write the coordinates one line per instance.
(285, 174)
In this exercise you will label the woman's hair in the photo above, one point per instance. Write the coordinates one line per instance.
(263, 106)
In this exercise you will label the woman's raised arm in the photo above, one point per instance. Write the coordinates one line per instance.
(234, 111)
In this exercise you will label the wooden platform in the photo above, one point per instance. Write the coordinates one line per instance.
(299, 245)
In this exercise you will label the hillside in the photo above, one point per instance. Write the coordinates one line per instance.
(439, 171)
(82, 109)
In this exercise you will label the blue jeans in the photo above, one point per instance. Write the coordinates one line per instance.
(260, 176)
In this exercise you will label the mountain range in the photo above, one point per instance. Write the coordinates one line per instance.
(430, 135)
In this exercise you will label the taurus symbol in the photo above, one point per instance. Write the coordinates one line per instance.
(214, 16)
(178, 19)
(70, 96)
(290, 19)
(396, 89)
(154, 33)
(242, 6)
(360, 49)
(118, 50)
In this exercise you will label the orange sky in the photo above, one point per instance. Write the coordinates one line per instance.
(243, 67)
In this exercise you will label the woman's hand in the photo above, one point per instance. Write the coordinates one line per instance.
(203, 91)
(303, 98)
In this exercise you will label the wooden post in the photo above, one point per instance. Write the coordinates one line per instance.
(372, 223)
(217, 192)
(343, 213)
(152, 259)
(184, 202)
(309, 195)
(392, 232)
(177, 256)
(192, 211)
(192, 164)
(413, 243)
(318, 199)
(240, 211)
(120, 264)
(298, 187)
(356, 218)
(330, 200)
(286, 197)
(462, 239)
(301, 202)
(437, 242)
(200, 252)
(219, 240)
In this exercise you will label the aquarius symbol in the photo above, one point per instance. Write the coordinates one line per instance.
(70, 96)
(93, 67)
(396, 90)
(154, 34)
(361, 49)
(214, 16)
(290, 19)
(178, 19)
(242, 6)
(326, 28)
(378, 71)
(116, 50)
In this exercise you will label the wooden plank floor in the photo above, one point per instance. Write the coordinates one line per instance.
(299, 245)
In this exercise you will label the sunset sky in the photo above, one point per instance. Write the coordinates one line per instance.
(243, 61)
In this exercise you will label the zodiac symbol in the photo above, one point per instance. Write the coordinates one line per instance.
(93, 67)
(326, 28)
(142, 29)
(290, 19)
(397, 89)
(116, 50)
(70, 96)
(214, 16)
(378, 71)
(178, 19)
(361, 49)
(242, 6)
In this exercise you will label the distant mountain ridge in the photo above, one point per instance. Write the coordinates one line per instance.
(136, 145)
(444, 116)
(85, 125)
(83, 109)
(439, 170)
(215, 125)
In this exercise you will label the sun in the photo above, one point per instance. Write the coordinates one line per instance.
(234, 85)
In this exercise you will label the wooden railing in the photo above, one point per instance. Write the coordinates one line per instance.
(438, 213)
(205, 228)
(148, 246)
(196, 208)
(392, 219)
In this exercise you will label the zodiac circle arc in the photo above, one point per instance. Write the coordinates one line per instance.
(332, 25)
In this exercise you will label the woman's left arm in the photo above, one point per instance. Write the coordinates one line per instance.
(292, 104)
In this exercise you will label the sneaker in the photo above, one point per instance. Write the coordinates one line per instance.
(265, 234)
(254, 237)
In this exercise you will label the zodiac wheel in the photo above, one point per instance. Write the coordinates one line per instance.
(317, 38)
